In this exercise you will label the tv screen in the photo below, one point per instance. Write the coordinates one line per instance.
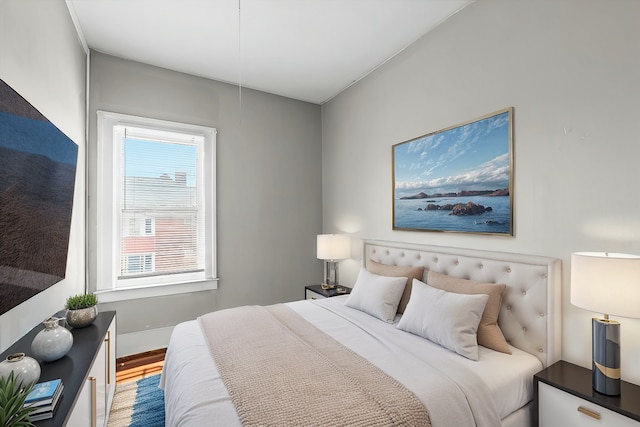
(37, 178)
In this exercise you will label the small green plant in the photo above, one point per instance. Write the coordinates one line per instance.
(80, 301)
(13, 412)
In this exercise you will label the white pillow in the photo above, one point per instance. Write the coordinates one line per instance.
(446, 318)
(376, 295)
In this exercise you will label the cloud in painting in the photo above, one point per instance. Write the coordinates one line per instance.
(473, 156)
(493, 174)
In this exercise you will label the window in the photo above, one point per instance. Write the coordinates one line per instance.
(148, 227)
(137, 263)
(137, 226)
(156, 207)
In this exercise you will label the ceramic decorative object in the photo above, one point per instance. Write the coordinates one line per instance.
(82, 317)
(52, 342)
(24, 368)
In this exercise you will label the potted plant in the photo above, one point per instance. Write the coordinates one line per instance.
(82, 310)
(13, 412)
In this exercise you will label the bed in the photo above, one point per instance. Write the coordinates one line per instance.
(452, 387)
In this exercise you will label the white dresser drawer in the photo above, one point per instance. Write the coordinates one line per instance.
(560, 409)
(309, 294)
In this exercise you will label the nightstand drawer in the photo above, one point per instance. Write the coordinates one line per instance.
(309, 294)
(560, 409)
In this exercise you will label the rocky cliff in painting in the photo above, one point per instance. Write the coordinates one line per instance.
(464, 193)
(459, 209)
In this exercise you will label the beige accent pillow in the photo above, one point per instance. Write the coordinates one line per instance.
(398, 271)
(489, 333)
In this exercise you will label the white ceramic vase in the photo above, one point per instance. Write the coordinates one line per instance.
(24, 368)
(52, 342)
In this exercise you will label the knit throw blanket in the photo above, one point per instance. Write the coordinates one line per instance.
(282, 371)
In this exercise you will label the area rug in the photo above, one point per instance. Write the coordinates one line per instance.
(138, 404)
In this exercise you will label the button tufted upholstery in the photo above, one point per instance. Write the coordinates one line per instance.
(530, 316)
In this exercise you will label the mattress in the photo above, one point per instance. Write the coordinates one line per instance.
(196, 395)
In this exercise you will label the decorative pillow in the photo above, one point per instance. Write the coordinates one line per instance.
(398, 271)
(489, 333)
(376, 295)
(446, 318)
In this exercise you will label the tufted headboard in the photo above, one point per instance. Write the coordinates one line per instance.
(530, 316)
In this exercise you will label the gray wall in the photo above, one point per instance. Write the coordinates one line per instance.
(42, 59)
(269, 188)
(570, 69)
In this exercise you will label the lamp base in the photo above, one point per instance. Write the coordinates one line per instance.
(331, 274)
(606, 356)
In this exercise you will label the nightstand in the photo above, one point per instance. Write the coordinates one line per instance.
(564, 397)
(316, 292)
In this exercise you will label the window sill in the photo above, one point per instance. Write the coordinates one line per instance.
(123, 294)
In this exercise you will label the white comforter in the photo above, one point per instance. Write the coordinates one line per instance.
(496, 385)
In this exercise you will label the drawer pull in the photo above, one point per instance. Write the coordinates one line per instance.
(589, 412)
(94, 405)
(108, 341)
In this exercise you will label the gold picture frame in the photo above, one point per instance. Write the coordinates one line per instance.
(458, 179)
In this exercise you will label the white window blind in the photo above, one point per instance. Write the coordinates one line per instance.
(158, 202)
(161, 183)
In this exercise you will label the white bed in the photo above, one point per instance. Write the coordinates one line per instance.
(529, 319)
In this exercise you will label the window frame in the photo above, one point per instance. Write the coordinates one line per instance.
(108, 213)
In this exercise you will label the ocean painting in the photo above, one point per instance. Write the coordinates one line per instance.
(37, 179)
(458, 179)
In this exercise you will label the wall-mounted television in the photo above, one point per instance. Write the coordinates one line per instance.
(37, 179)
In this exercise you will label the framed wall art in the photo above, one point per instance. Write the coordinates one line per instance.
(458, 179)
(37, 181)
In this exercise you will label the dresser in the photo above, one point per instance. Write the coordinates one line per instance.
(88, 372)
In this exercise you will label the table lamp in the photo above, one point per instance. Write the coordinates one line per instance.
(332, 248)
(607, 283)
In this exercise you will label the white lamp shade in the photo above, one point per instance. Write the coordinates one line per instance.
(334, 246)
(607, 283)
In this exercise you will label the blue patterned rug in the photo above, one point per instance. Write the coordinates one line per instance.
(138, 404)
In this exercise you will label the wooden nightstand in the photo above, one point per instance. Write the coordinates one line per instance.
(316, 292)
(564, 397)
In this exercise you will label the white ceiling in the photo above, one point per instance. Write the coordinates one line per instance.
(309, 50)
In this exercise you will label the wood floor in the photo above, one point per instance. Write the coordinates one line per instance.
(134, 367)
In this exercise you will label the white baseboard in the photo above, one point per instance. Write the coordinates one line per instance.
(141, 341)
